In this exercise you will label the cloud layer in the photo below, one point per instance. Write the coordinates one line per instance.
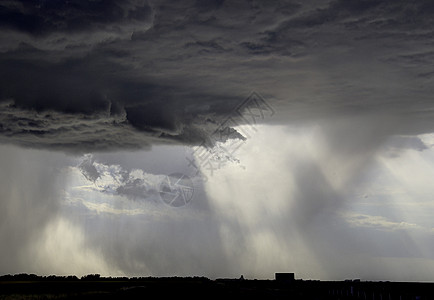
(129, 74)
(350, 90)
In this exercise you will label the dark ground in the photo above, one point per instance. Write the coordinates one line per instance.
(94, 287)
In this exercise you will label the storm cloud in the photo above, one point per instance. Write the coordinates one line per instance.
(128, 74)
(343, 155)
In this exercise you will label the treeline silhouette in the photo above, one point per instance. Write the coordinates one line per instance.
(95, 286)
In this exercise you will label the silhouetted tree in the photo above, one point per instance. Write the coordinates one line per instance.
(91, 277)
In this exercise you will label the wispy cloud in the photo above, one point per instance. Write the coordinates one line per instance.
(105, 208)
(381, 223)
(113, 179)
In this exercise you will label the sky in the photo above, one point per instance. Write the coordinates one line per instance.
(217, 138)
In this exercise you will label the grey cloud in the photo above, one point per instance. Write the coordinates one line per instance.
(372, 14)
(29, 194)
(88, 169)
(67, 132)
(160, 240)
(72, 27)
(189, 63)
(44, 17)
(406, 142)
(111, 75)
(170, 243)
(134, 184)
(133, 189)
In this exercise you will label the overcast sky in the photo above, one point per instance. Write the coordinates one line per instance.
(300, 135)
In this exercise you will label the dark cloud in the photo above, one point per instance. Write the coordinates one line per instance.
(133, 189)
(166, 71)
(107, 75)
(45, 17)
(406, 142)
(88, 169)
(135, 184)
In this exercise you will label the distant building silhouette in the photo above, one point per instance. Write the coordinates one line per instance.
(284, 277)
